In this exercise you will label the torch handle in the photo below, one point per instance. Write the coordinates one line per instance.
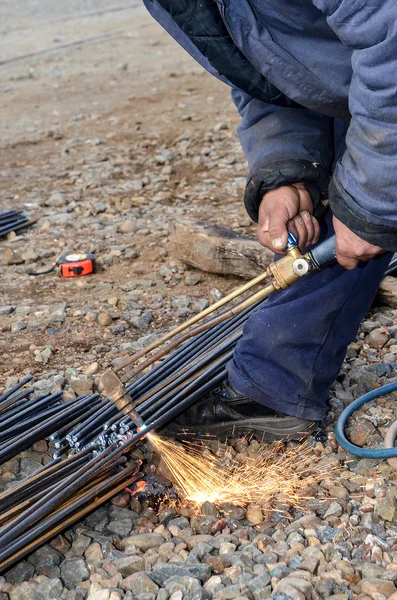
(324, 254)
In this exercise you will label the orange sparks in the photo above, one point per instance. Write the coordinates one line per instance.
(200, 476)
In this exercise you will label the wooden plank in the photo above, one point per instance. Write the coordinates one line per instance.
(219, 250)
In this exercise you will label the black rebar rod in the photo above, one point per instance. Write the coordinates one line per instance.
(41, 473)
(175, 400)
(33, 407)
(76, 516)
(36, 433)
(51, 501)
(82, 419)
(57, 409)
(27, 424)
(89, 438)
(14, 405)
(192, 346)
(16, 387)
(64, 511)
(199, 363)
(10, 219)
(222, 329)
(12, 211)
(81, 413)
(214, 379)
(101, 411)
(41, 485)
(16, 397)
(13, 227)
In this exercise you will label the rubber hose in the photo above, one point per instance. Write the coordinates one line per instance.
(349, 410)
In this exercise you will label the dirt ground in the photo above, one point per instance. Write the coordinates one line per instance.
(127, 127)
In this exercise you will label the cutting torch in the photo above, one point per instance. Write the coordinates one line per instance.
(281, 274)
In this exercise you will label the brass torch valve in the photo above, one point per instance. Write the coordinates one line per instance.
(295, 265)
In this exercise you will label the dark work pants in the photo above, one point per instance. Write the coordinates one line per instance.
(294, 345)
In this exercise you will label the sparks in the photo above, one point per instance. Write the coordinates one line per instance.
(273, 475)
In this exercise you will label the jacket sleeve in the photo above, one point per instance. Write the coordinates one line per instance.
(363, 191)
(284, 143)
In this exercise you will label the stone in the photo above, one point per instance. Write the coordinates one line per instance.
(50, 588)
(40, 446)
(259, 586)
(105, 319)
(92, 369)
(188, 585)
(81, 386)
(74, 572)
(80, 544)
(192, 540)
(127, 565)
(376, 587)
(93, 553)
(359, 432)
(142, 541)
(296, 588)
(334, 510)
(161, 573)
(254, 514)
(10, 257)
(230, 592)
(386, 507)
(23, 591)
(44, 559)
(56, 200)
(20, 572)
(377, 338)
(128, 226)
(140, 583)
(193, 278)
(121, 527)
(6, 310)
(99, 595)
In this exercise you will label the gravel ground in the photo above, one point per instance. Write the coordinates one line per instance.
(106, 146)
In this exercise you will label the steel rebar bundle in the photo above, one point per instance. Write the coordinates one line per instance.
(12, 220)
(93, 438)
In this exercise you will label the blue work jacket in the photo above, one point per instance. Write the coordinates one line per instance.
(315, 82)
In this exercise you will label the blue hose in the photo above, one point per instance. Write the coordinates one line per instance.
(349, 410)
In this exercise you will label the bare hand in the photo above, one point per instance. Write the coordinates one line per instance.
(350, 248)
(287, 208)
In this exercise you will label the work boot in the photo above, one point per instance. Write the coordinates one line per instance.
(227, 413)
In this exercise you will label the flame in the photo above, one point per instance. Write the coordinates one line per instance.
(139, 487)
(200, 476)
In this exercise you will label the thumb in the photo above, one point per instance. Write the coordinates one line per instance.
(278, 231)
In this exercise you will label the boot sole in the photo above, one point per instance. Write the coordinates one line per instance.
(266, 430)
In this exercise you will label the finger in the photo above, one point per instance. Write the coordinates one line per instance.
(307, 219)
(278, 219)
(263, 231)
(317, 230)
(300, 226)
(305, 200)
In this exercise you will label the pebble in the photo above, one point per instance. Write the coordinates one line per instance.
(105, 319)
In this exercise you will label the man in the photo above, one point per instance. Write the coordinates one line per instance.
(315, 82)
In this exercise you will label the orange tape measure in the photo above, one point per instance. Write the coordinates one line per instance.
(76, 264)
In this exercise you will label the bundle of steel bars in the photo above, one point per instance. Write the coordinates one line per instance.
(27, 417)
(93, 438)
(12, 220)
(169, 387)
(60, 494)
